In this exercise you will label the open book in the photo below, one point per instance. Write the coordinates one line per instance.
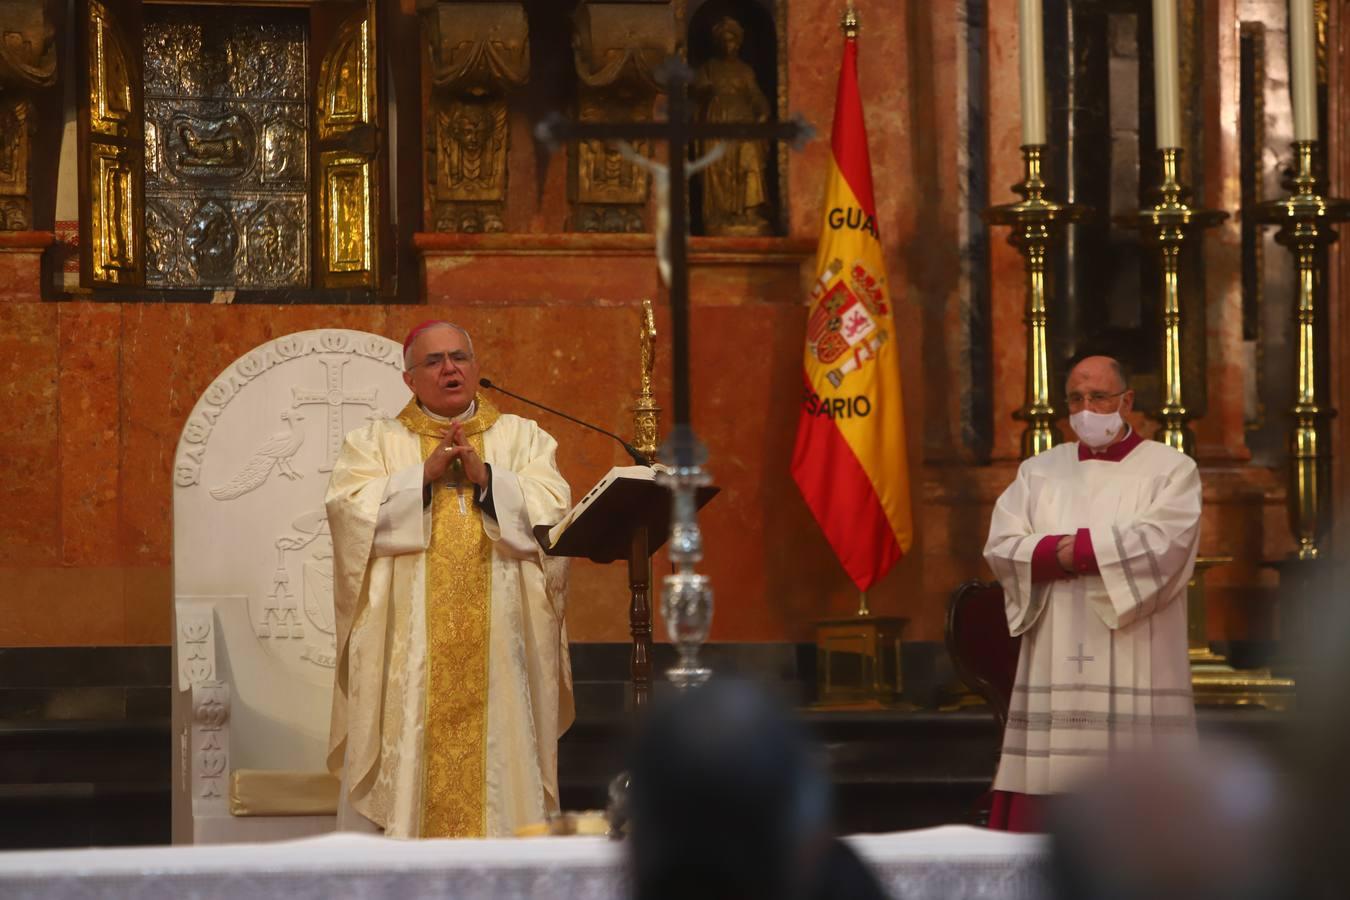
(601, 525)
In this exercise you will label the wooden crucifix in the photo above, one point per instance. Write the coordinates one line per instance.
(682, 447)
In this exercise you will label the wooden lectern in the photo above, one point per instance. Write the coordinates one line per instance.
(625, 516)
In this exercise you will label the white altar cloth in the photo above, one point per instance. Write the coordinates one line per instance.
(948, 863)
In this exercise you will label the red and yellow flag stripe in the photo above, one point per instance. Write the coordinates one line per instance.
(849, 460)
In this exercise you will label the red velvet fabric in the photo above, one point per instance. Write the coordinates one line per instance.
(984, 653)
(1017, 812)
(1084, 557)
(1045, 560)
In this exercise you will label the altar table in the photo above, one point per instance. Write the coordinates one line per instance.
(949, 863)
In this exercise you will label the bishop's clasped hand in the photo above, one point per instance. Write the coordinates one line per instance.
(455, 459)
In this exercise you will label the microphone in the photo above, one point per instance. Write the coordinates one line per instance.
(637, 455)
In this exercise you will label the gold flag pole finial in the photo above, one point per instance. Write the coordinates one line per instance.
(848, 22)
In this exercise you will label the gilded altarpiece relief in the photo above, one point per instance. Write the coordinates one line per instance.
(27, 61)
(226, 184)
(617, 49)
(223, 152)
(477, 53)
(112, 183)
(349, 122)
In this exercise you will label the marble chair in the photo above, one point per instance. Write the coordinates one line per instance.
(252, 568)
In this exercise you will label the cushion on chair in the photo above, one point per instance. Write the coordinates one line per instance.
(263, 792)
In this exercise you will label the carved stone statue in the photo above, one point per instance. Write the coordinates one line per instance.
(478, 52)
(27, 61)
(735, 194)
(616, 48)
(471, 163)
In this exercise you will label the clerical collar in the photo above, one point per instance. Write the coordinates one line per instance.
(1114, 453)
(478, 418)
(462, 417)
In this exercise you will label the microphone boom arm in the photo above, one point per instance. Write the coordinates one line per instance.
(638, 457)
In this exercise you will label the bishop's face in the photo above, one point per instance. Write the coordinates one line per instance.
(444, 372)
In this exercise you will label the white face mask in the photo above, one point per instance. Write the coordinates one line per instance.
(1096, 429)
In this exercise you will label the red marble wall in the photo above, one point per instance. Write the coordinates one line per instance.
(100, 391)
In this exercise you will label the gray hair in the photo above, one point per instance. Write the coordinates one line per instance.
(407, 354)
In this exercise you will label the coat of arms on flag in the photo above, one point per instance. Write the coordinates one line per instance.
(845, 322)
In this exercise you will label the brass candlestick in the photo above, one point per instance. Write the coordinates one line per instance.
(1213, 681)
(1197, 615)
(646, 429)
(1035, 222)
(647, 439)
(1167, 224)
(1305, 219)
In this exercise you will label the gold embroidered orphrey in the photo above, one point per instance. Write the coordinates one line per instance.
(458, 607)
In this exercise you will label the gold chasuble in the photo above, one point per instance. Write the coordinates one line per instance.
(452, 682)
(459, 581)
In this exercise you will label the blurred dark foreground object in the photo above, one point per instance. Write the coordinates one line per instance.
(727, 801)
(1205, 825)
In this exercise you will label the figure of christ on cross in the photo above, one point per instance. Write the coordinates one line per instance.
(678, 132)
(688, 598)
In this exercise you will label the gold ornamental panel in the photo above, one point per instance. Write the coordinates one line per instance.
(112, 186)
(110, 88)
(346, 85)
(348, 120)
(347, 206)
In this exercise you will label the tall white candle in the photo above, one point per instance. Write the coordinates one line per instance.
(1166, 74)
(1303, 60)
(1030, 35)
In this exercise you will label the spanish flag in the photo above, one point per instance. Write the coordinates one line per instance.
(849, 459)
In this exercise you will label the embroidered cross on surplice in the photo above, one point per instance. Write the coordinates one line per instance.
(1080, 658)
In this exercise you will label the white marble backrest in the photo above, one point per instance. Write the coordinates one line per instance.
(252, 559)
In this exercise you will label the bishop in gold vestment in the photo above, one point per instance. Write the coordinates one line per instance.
(453, 681)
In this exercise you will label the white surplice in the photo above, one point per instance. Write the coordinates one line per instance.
(380, 531)
(1103, 665)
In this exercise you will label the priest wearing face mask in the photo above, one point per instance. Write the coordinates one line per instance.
(1093, 543)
